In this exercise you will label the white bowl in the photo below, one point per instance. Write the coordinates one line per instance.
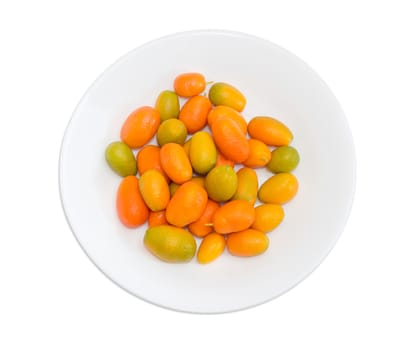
(276, 83)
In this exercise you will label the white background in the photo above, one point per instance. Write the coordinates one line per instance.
(53, 297)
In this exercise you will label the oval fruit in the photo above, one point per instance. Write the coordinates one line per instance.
(204, 225)
(170, 244)
(140, 126)
(247, 185)
(175, 163)
(268, 217)
(230, 139)
(149, 158)
(131, 209)
(221, 183)
(171, 130)
(167, 105)
(154, 190)
(259, 154)
(194, 113)
(284, 159)
(189, 84)
(157, 218)
(270, 130)
(186, 205)
(211, 248)
(234, 216)
(278, 189)
(247, 243)
(225, 111)
(227, 95)
(121, 159)
(203, 153)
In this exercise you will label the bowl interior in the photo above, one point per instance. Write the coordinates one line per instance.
(276, 83)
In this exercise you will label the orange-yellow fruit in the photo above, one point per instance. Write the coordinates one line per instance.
(154, 190)
(211, 248)
(194, 113)
(268, 217)
(259, 154)
(234, 216)
(140, 126)
(247, 243)
(189, 84)
(202, 153)
(230, 139)
(175, 163)
(270, 131)
(278, 189)
(131, 209)
(224, 111)
(247, 185)
(227, 95)
(186, 205)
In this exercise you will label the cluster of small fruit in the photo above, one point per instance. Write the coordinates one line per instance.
(189, 187)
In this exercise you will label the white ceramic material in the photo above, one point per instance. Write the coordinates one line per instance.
(276, 83)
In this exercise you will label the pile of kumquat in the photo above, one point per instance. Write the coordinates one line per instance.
(188, 186)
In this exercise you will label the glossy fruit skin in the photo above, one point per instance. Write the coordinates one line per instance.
(171, 130)
(221, 183)
(194, 113)
(259, 154)
(230, 140)
(154, 190)
(212, 246)
(140, 126)
(175, 163)
(284, 159)
(227, 95)
(167, 105)
(234, 216)
(247, 185)
(278, 189)
(225, 111)
(157, 218)
(186, 205)
(189, 84)
(121, 159)
(149, 158)
(170, 244)
(270, 131)
(268, 217)
(131, 209)
(204, 225)
(203, 153)
(247, 243)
